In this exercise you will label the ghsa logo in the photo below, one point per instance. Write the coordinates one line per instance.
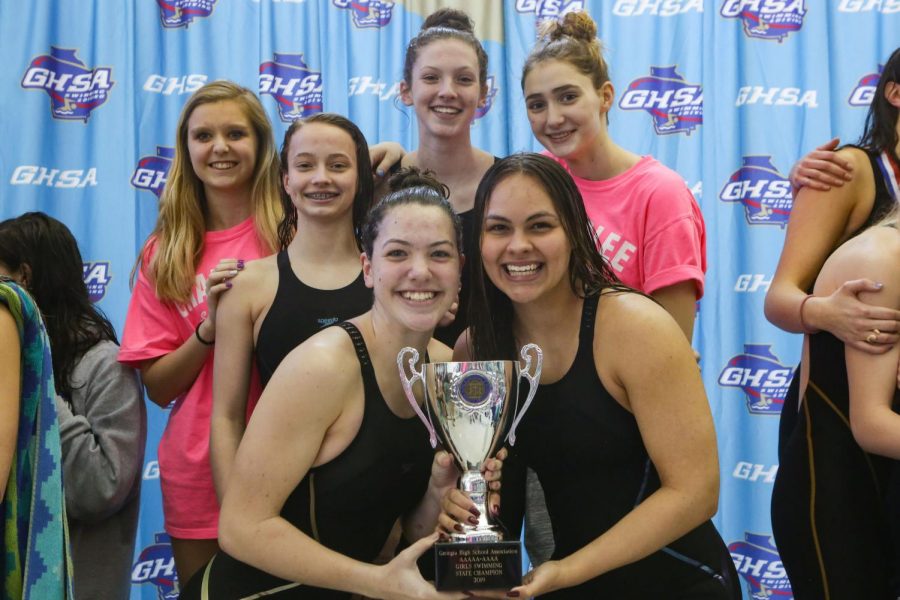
(367, 13)
(296, 87)
(764, 192)
(181, 13)
(548, 9)
(74, 89)
(151, 171)
(756, 560)
(96, 277)
(675, 105)
(156, 565)
(864, 91)
(761, 376)
(492, 90)
(766, 19)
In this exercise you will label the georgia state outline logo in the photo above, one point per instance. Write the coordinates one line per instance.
(151, 171)
(156, 565)
(766, 19)
(181, 13)
(675, 105)
(296, 87)
(548, 9)
(761, 376)
(368, 14)
(762, 189)
(757, 561)
(864, 91)
(96, 277)
(492, 90)
(74, 89)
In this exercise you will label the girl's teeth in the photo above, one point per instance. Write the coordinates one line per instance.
(418, 296)
(521, 269)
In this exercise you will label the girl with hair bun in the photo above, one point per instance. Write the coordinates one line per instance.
(220, 207)
(649, 226)
(334, 453)
(445, 82)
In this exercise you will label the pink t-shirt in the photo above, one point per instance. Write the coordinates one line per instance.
(154, 328)
(649, 226)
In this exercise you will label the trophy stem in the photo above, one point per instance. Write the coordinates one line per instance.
(472, 482)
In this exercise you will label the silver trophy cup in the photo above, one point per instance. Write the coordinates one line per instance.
(469, 405)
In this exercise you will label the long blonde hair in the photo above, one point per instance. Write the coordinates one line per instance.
(180, 226)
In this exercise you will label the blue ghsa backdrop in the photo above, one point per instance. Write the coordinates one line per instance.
(729, 93)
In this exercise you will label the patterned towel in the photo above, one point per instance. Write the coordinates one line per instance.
(36, 564)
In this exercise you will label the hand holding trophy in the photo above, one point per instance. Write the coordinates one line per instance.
(474, 405)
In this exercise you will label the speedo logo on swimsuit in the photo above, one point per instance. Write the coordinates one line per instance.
(156, 565)
(766, 19)
(74, 89)
(492, 90)
(675, 105)
(296, 88)
(181, 13)
(763, 191)
(756, 560)
(152, 171)
(864, 91)
(548, 9)
(761, 376)
(658, 8)
(96, 277)
(326, 321)
(367, 14)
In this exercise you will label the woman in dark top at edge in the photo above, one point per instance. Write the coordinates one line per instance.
(620, 405)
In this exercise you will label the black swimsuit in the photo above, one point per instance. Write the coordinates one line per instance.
(300, 311)
(591, 461)
(348, 504)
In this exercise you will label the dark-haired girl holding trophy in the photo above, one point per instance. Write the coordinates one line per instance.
(334, 454)
(619, 433)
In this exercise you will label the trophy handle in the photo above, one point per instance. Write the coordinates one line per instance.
(532, 383)
(407, 388)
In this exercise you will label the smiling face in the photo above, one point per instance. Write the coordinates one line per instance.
(321, 176)
(444, 88)
(222, 145)
(415, 265)
(567, 115)
(524, 247)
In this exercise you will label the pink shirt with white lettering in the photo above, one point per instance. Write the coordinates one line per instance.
(154, 328)
(649, 226)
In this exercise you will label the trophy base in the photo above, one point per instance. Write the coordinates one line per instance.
(477, 566)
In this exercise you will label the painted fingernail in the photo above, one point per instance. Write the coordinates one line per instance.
(458, 527)
(240, 263)
(473, 520)
(495, 510)
(380, 172)
(228, 285)
(474, 511)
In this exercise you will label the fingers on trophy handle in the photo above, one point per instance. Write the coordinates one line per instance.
(533, 379)
(408, 382)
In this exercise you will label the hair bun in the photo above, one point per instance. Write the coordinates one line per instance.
(577, 25)
(450, 18)
(412, 177)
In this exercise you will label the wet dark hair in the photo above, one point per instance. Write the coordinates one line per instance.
(365, 184)
(56, 281)
(444, 24)
(491, 312)
(410, 185)
(880, 130)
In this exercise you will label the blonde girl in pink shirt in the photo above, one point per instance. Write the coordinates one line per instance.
(221, 201)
